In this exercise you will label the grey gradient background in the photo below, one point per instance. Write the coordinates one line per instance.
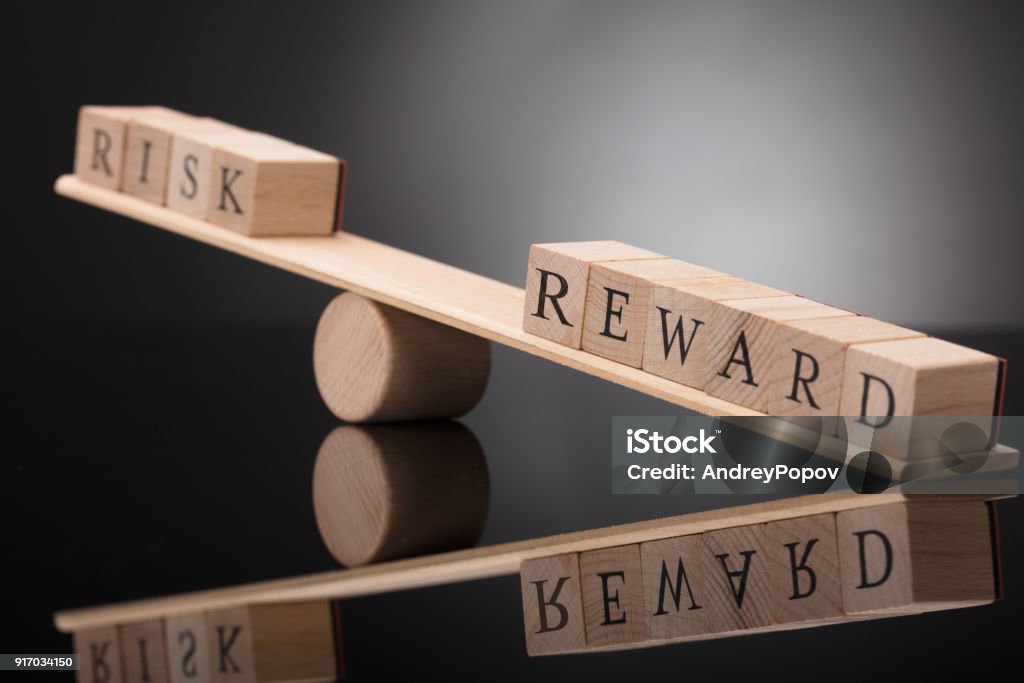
(160, 413)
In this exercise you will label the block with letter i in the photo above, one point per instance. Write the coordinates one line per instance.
(677, 324)
(99, 652)
(742, 340)
(737, 579)
(556, 285)
(552, 607)
(803, 565)
(618, 302)
(144, 653)
(101, 140)
(272, 642)
(264, 190)
(949, 390)
(673, 574)
(914, 557)
(611, 581)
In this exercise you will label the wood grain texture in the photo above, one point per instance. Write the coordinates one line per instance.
(677, 335)
(674, 587)
(611, 584)
(915, 557)
(619, 300)
(189, 659)
(144, 652)
(736, 575)
(552, 604)
(384, 492)
(742, 338)
(100, 143)
(99, 652)
(557, 279)
(463, 565)
(803, 567)
(376, 363)
(473, 303)
(148, 151)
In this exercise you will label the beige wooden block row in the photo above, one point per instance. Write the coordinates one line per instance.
(274, 642)
(250, 182)
(891, 559)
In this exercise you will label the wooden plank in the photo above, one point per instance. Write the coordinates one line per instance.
(466, 565)
(473, 303)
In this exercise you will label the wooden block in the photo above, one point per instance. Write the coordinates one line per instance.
(920, 377)
(190, 173)
(556, 285)
(806, 374)
(619, 300)
(188, 649)
(737, 579)
(100, 144)
(673, 578)
(613, 595)
(99, 652)
(742, 340)
(676, 343)
(269, 190)
(914, 557)
(552, 607)
(148, 150)
(803, 565)
(274, 642)
(144, 652)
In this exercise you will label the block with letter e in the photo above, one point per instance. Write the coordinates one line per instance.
(552, 607)
(99, 655)
(611, 581)
(619, 300)
(556, 285)
(919, 398)
(914, 557)
(101, 141)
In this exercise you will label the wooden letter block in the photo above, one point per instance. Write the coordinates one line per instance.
(673, 571)
(267, 190)
(99, 652)
(676, 344)
(619, 300)
(556, 285)
(804, 569)
(806, 375)
(190, 173)
(275, 642)
(100, 145)
(552, 607)
(613, 596)
(148, 150)
(920, 377)
(914, 557)
(742, 340)
(737, 579)
(188, 649)
(144, 652)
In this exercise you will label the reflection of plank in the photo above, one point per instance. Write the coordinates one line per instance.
(470, 302)
(464, 565)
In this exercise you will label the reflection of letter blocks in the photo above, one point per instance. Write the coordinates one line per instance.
(187, 647)
(265, 190)
(804, 569)
(143, 649)
(556, 285)
(952, 387)
(677, 335)
(552, 611)
(99, 148)
(613, 596)
(99, 653)
(274, 642)
(742, 339)
(618, 301)
(806, 374)
(673, 571)
(737, 580)
(915, 557)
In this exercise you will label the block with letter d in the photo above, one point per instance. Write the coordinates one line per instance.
(556, 285)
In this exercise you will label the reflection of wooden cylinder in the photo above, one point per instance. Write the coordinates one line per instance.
(375, 363)
(382, 492)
